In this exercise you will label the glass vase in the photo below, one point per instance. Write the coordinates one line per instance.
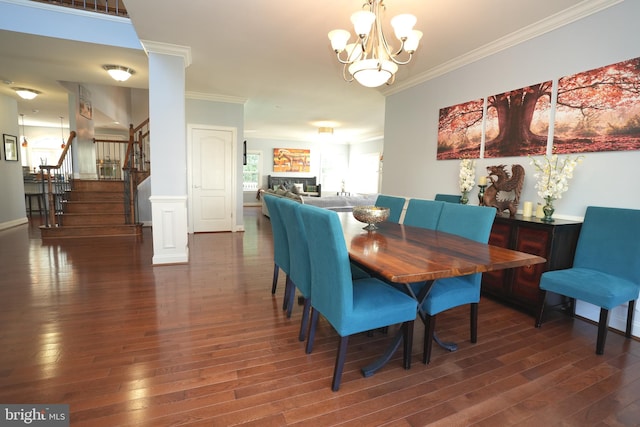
(465, 197)
(548, 210)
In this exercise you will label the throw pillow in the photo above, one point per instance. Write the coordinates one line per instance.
(297, 188)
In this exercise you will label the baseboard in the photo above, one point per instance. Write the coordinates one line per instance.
(14, 223)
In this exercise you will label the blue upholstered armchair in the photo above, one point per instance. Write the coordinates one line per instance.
(395, 205)
(606, 266)
(470, 222)
(281, 258)
(423, 213)
(450, 198)
(350, 306)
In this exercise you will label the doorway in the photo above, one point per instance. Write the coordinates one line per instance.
(212, 178)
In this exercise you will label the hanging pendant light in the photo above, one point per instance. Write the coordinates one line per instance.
(24, 137)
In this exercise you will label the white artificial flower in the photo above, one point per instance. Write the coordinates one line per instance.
(553, 174)
(467, 175)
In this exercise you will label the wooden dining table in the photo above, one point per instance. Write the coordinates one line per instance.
(402, 254)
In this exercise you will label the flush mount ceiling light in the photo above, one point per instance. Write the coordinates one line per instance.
(325, 130)
(25, 93)
(118, 72)
(370, 59)
(325, 133)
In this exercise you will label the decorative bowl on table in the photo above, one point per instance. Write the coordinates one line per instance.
(370, 215)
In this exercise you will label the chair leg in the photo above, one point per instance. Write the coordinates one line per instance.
(473, 320)
(407, 339)
(630, 311)
(572, 307)
(312, 330)
(342, 355)
(304, 323)
(429, 328)
(541, 310)
(602, 330)
(288, 288)
(274, 285)
(290, 297)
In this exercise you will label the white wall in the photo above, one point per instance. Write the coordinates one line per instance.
(605, 178)
(12, 207)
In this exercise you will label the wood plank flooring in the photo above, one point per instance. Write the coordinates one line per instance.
(91, 323)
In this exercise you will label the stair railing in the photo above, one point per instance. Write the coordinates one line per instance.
(56, 180)
(136, 168)
(110, 7)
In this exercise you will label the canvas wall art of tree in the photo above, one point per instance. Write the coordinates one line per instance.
(291, 160)
(517, 122)
(599, 110)
(460, 131)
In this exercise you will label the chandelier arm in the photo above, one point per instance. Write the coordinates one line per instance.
(340, 60)
(402, 62)
(345, 71)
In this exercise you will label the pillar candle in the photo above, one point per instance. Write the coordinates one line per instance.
(527, 209)
(539, 211)
(482, 180)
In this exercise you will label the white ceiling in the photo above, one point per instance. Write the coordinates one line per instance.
(276, 57)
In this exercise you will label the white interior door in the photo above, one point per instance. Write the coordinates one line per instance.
(212, 179)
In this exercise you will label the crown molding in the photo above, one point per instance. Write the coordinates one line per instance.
(168, 49)
(215, 97)
(529, 32)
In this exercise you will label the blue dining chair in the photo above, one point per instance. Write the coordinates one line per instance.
(606, 266)
(423, 213)
(300, 272)
(350, 306)
(395, 205)
(473, 223)
(281, 257)
(450, 198)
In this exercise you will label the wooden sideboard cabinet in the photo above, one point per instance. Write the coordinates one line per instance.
(555, 241)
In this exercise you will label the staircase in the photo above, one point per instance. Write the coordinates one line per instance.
(93, 208)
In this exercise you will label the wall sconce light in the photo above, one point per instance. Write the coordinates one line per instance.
(25, 93)
(118, 72)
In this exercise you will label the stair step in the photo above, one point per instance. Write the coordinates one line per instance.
(111, 207)
(98, 185)
(94, 196)
(69, 232)
(94, 208)
(75, 219)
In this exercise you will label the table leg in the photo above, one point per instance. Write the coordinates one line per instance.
(371, 369)
(451, 346)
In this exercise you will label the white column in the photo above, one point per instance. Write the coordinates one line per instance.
(168, 151)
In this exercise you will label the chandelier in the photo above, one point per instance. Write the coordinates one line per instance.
(370, 59)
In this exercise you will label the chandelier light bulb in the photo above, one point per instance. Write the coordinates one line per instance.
(339, 39)
(403, 25)
(362, 22)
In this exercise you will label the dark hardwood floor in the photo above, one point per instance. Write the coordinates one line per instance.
(91, 323)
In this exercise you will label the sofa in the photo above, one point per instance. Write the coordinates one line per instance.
(339, 203)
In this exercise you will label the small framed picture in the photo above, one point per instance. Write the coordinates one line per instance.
(86, 110)
(10, 147)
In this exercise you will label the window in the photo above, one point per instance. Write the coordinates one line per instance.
(251, 172)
